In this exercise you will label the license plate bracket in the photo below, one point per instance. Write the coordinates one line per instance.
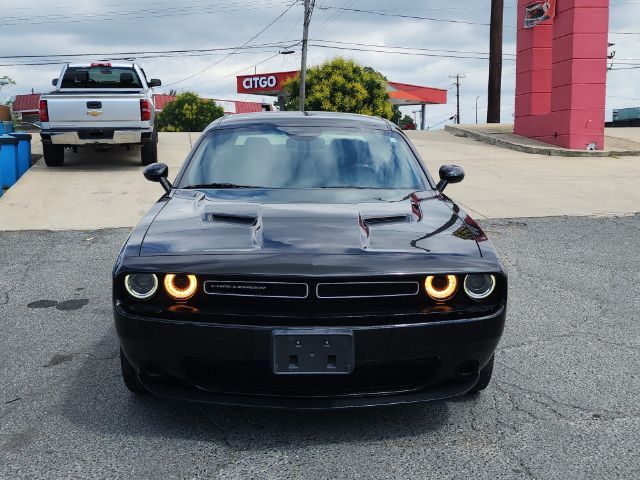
(313, 352)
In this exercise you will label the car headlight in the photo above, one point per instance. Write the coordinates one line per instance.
(479, 286)
(441, 287)
(141, 286)
(181, 286)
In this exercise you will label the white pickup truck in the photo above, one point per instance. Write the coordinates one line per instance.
(101, 105)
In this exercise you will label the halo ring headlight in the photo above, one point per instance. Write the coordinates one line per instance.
(141, 286)
(479, 286)
(441, 287)
(180, 286)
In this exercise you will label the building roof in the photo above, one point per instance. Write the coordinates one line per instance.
(162, 99)
(29, 103)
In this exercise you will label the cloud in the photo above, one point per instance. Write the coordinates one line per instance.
(102, 26)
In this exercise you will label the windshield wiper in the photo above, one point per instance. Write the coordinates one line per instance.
(219, 185)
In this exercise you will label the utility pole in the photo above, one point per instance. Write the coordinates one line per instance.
(308, 10)
(457, 84)
(495, 61)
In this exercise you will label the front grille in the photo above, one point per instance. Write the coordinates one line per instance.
(367, 289)
(256, 378)
(257, 289)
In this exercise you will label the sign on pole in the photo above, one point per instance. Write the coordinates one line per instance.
(538, 12)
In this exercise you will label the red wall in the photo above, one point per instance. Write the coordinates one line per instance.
(561, 75)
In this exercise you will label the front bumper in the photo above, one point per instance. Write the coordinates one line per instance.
(92, 136)
(231, 364)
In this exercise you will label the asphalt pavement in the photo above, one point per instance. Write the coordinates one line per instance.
(563, 402)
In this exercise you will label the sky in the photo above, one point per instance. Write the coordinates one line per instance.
(70, 27)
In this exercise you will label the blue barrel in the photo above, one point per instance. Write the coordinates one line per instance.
(1, 173)
(24, 151)
(6, 128)
(8, 160)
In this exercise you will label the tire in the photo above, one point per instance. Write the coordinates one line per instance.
(130, 377)
(149, 152)
(53, 155)
(485, 377)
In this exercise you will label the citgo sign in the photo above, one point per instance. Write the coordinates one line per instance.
(265, 83)
(251, 83)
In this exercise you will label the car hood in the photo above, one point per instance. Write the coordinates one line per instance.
(318, 222)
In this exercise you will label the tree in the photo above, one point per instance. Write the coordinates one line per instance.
(406, 120)
(188, 113)
(6, 81)
(342, 85)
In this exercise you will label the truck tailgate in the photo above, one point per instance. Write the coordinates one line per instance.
(94, 111)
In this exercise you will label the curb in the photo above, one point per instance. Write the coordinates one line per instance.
(538, 150)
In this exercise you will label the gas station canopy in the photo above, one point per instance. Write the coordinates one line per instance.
(400, 93)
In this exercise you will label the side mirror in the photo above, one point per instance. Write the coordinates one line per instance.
(449, 174)
(158, 172)
(54, 82)
(154, 82)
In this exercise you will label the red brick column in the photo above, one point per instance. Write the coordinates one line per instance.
(561, 75)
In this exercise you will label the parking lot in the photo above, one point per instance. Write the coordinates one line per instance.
(563, 402)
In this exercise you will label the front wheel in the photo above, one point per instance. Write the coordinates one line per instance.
(149, 152)
(53, 155)
(130, 377)
(485, 377)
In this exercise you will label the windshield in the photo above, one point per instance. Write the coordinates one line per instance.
(303, 157)
(100, 77)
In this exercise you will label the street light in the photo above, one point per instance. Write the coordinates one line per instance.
(477, 108)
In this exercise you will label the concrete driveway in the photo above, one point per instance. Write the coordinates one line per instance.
(107, 190)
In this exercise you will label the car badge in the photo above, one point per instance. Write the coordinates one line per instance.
(94, 113)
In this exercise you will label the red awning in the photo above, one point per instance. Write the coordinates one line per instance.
(406, 94)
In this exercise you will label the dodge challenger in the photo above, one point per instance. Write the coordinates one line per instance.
(307, 260)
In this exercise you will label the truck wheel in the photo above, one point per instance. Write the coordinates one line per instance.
(53, 155)
(485, 377)
(149, 152)
(130, 377)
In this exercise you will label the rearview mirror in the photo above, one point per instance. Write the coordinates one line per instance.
(449, 174)
(54, 82)
(158, 172)
(154, 82)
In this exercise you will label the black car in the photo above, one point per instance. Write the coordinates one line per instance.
(307, 260)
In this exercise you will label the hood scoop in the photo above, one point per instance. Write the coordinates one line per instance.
(233, 226)
(372, 221)
(379, 224)
(247, 221)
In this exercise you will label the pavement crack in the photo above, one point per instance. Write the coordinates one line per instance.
(223, 431)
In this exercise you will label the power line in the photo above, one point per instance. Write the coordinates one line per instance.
(407, 48)
(133, 15)
(276, 44)
(145, 52)
(252, 49)
(399, 15)
(441, 122)
(417, 54)
(242, 46)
